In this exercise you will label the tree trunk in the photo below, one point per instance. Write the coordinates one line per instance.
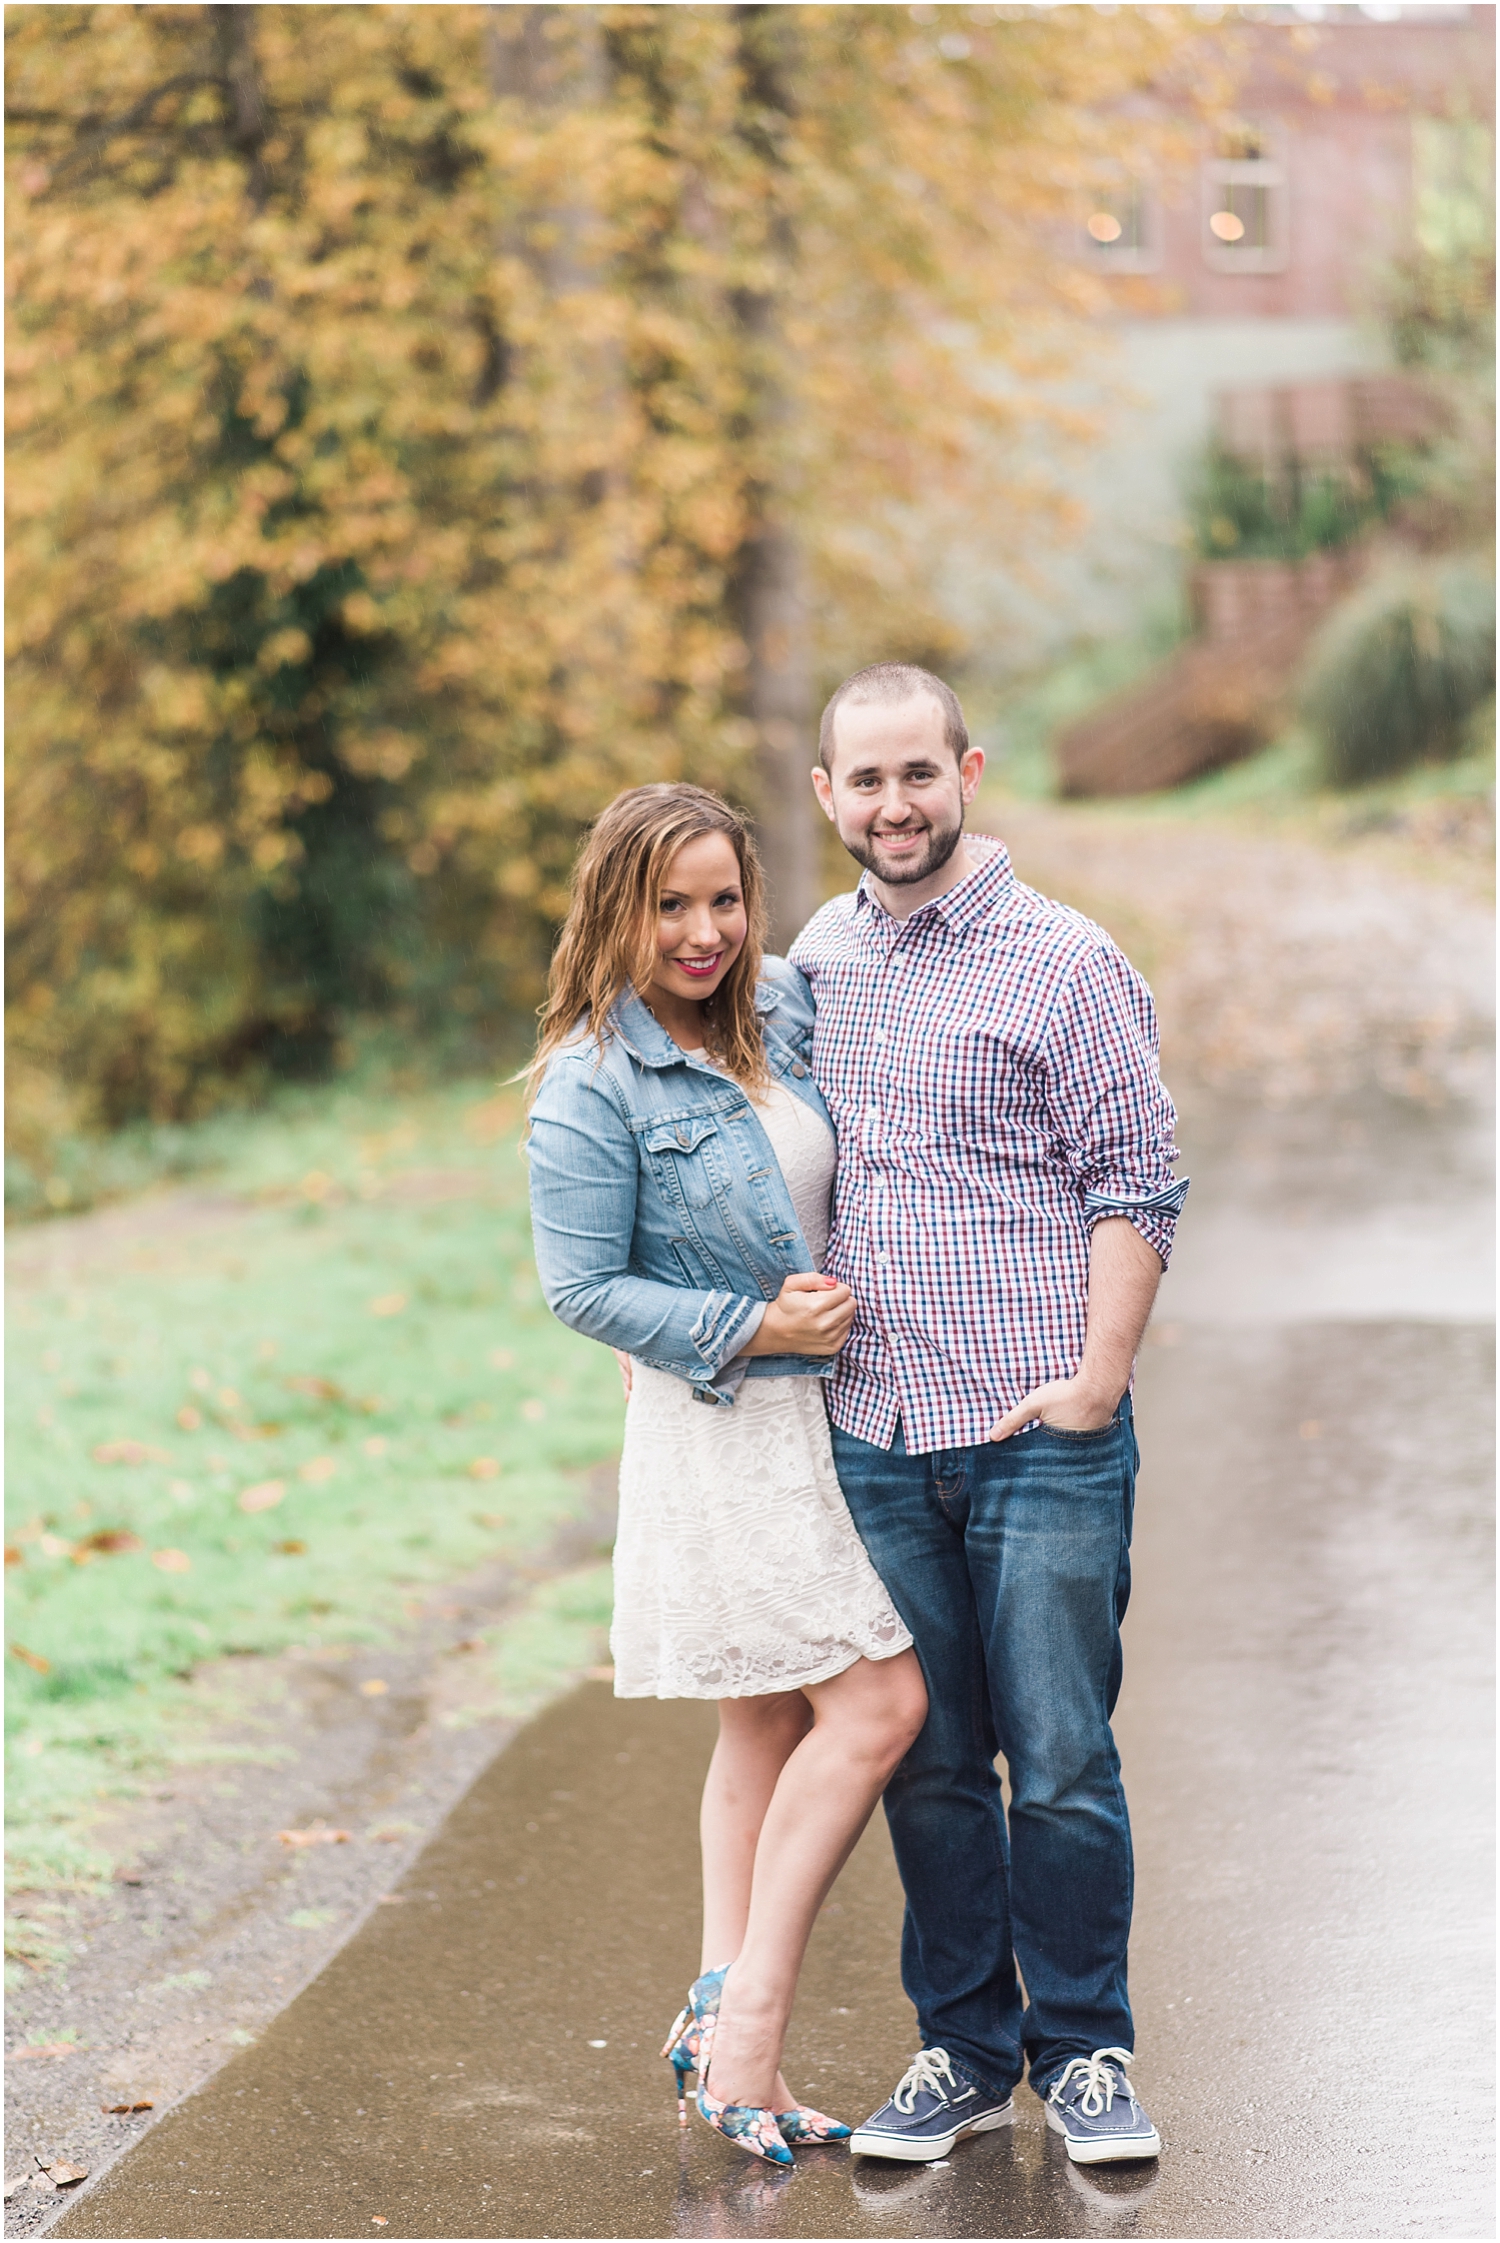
(770, 585)
(778, 697)
(234, 34)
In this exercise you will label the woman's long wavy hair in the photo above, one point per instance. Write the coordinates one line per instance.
(608, 941)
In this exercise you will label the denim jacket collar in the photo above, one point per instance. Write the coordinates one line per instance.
(644, 1037)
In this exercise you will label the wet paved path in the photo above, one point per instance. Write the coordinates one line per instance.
(1305, 1729)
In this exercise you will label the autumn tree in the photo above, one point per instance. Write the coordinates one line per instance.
(427, 420)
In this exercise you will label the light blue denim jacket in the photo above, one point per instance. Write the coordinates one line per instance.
(662, 1221)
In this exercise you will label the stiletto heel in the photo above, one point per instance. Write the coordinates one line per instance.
(681, 2052)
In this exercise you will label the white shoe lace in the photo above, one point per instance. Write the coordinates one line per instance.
(926, 2070)
(1099, 2078)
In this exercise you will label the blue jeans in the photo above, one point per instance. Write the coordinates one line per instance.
(1010, 1564)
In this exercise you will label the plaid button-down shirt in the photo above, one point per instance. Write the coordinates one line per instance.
(990, 1065)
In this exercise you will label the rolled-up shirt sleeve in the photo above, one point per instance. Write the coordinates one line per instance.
(1112, 1118)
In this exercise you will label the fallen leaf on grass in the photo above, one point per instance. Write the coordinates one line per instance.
(469, 1643)
(32, 1659)
(533, 1411)
(325, 1390)
(316, 1837)
(110, 1541)
(388, 1304)
(317, 1469)
(291, 1548)
(43, 2048)
(484, 1468)
(189, 1418)
(376, 1445)
(13, 1556)
(374, 1688)
(172, 1561)
(53, 1546)
(122, 2110)
(264, 1496)
(129, 1452)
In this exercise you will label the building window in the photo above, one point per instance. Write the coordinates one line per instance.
(1245, 205)
(1122, 233)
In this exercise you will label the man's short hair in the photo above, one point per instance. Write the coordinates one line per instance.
(891, 683)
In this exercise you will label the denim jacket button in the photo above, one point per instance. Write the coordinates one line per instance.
(684, 1138)
(798, 1069)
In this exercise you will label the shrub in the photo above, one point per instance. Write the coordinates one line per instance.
(1399, 668)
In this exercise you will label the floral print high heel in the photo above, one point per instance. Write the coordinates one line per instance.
(802, 2124)
(685, 2039)
(753, 2130)
(798, 2126)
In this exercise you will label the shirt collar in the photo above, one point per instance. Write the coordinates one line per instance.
(981, 894)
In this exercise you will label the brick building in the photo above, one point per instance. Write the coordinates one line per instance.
(1360, 133)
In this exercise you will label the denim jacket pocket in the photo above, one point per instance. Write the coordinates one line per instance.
(682, 1153)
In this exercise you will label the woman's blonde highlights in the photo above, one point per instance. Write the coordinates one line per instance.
(608, 941)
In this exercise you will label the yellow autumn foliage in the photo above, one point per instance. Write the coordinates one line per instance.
(398, 396)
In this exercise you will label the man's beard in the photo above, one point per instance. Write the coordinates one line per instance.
(904, 872)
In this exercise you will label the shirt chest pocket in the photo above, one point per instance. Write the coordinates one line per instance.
(687, 1156)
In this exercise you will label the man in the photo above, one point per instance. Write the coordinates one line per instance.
(1004, 1211)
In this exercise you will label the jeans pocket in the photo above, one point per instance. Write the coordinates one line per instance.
(1091, 1433)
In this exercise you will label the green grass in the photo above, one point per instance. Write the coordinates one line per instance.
(345, 1333)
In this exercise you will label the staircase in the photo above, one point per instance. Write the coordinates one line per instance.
(1220, 696)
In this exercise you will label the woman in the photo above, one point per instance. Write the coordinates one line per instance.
(681, 1168)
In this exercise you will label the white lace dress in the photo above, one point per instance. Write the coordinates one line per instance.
(738, 1570)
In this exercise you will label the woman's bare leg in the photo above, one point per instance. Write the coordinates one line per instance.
(863, 1721)
(757, 1736)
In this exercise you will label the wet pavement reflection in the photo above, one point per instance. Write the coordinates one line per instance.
(1305, 1729)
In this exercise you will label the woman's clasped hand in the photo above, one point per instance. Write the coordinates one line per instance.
(811, 1315)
